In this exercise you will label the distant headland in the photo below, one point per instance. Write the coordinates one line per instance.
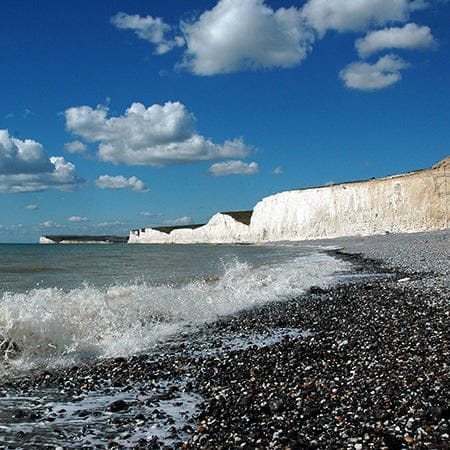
(84, 239)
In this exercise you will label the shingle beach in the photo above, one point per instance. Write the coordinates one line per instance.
(360, 365)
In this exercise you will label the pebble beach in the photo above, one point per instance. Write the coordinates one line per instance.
(359, 365)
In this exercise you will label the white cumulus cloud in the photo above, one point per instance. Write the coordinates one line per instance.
(409, 37)
(155, 136)
(75, 147)
(369, 77)
(49, 224)
(151, 29)
(233, 168)
(354, 15)
(22, 157)
(26, 167)
(238, 35)
(120, 182)
(245, 34)
(77, 219)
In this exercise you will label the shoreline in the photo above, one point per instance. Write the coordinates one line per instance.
(370, 373)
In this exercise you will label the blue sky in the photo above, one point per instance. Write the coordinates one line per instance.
(122, 114)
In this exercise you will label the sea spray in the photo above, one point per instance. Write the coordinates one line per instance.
(56, 326)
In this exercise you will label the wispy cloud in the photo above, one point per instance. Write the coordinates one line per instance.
(278, 171)
(49, 224)
(151, 29)
(111, 224)
(234, 168)
(185, 220)
(149, 214)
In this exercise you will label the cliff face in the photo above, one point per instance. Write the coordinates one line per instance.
(46, 240)
(412, 202)
(221, 228)
(417, 201)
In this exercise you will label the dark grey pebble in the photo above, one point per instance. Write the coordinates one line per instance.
(118, 405)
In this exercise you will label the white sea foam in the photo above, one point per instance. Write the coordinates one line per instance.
(52, 326)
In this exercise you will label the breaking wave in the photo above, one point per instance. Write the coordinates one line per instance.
(51, 326)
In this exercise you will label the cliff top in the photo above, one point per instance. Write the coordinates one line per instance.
(443, 165)
(86, 238)
(168, 229)
(240, 216)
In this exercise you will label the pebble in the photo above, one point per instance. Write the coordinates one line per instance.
(371, 373)
(118, 405)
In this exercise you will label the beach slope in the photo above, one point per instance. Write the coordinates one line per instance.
(360, 365)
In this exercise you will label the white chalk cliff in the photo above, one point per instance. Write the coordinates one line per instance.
(411, 202)
(221, 229)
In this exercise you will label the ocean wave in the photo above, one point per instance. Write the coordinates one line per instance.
(48, 327)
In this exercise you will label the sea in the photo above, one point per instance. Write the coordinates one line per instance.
(80, 305)
(65, 304)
